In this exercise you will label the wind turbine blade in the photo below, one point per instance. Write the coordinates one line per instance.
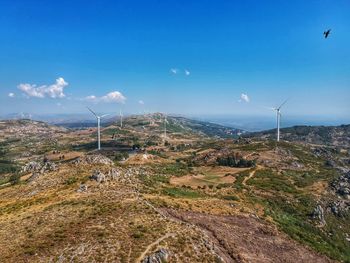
(92, 112)
(104, 115)
(283, 104)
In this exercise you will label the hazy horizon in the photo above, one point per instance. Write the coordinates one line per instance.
(248, 122)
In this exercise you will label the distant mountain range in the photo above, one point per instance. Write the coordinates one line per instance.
(241, 122)
(329, 135)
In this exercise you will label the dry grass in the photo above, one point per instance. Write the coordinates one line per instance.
(206, 176)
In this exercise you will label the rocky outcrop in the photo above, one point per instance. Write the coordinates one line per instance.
(113, 174)
(82, 188)
(31, 167)
(94, 159)
(341, 186)
(160, 256)
(98, 176)
(117, 174)
(318, 214)
(39, 167)
(340, 207)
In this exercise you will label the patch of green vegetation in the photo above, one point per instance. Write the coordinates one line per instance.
(304, 179)
(232, 161)
(181, 192)
(292, 210)
(223, 185)
(154, 180)
(85, 147)
(22, 204)
(294, 219)
(176, 169)
(15, 178)
(7, 166)
(121, 156)
(256, 146)
(239, 179)
(268, 180)
(71, 180)
(157, 153)
(139, 231)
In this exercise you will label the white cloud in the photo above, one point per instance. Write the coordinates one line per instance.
(187, 72)
(54, 91)
(141, 102)
(114, 96)
(174, 71)
(244, 98)
(91, 98)
(11, 95)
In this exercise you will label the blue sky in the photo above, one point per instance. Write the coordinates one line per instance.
(230, 57)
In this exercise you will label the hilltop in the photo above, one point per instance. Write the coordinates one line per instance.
(200, 194)
(323, 135)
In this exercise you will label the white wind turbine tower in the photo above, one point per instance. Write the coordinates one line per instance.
(121, 118)
(278, 113)
(98, 127)
(165, 122)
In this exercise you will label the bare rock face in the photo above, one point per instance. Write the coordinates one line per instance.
(98, 176)
(48, 167)
(113, 174)
(322, 152)
(94, 159)
(318, 214)
(342, 186)
(340, 207)
(31, 167)
(37, 167)
(159, 256)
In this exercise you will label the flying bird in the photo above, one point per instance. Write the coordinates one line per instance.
(326, 33)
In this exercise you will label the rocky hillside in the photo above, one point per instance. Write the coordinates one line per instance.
(155, 122)
(186, 197)
(328, 135)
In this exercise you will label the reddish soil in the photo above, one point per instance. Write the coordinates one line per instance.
(248, 239)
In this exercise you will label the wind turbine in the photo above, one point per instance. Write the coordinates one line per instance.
(121, 118)
(278, 113)
(165, 122)
(98, 127)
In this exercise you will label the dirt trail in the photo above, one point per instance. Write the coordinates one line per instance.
(213, 245)
(248, 239)
(150, 246)
(251, 174)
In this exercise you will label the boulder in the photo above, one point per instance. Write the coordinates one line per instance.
(98, 176)
(160, 256)
(82, 188)
(318, 214)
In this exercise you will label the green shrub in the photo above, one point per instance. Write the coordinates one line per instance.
(121, 156)
(15, 178)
